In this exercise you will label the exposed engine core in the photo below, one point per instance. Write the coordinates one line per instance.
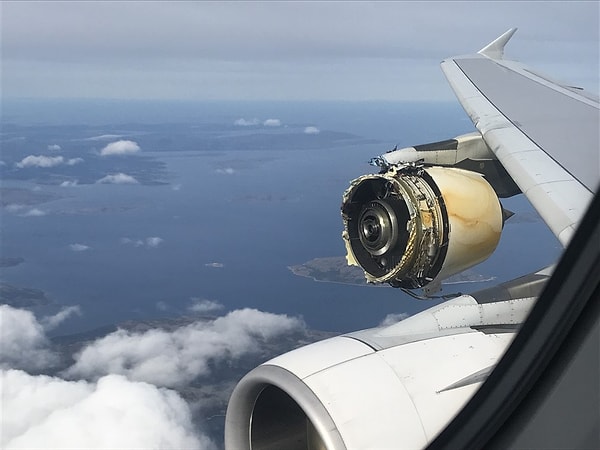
(411, 226)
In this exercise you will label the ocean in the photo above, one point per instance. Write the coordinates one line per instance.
(218, 201)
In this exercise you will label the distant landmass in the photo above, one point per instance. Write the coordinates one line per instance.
(331, 269)
(22, 297)
(89, 165)
(334, 269)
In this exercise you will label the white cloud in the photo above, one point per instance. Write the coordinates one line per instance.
(73, 161)
(393, 318)
(16, 208)
(24, 343)
(34, 212)
(153, 242)
(129, 241)
(51, 322)
(122, 147)
(40, 161)
(149, 242)
(203, 306)
(311, 130)
(174, 358)
(226, 171)
(177, 187)
(48, 412)
(118, 178)
(134, 242)
(246, 123)
(215, 265)
(162, 306)
(54, 147)
(70, 183)
(79, 247)
(272, 123)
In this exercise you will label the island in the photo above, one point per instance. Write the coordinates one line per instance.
(334, 269)
(331, 269)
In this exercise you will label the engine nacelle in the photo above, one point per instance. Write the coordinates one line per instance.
(414, 226)
(392, 387)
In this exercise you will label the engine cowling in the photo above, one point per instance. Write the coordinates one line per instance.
(392, 387)
(415, 226)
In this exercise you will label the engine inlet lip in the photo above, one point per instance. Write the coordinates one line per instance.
(377, 227)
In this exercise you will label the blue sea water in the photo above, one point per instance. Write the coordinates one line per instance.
(233, 206)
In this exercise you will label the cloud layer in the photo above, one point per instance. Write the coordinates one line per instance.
(304, 50)
(171, 359)
(48, 412)
(121, 382)
(24, 343)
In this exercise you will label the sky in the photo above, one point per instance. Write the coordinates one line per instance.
(279, 50)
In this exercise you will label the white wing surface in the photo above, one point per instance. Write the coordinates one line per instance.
(544, 134)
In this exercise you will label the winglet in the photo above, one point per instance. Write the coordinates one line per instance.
(495, 49)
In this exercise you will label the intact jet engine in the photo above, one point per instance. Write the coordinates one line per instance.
(414, 225)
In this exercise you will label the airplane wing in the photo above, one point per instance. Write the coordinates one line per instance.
(434, 210)
(544, 134)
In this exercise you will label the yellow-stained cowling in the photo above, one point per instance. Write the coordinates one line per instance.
(415, 226)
